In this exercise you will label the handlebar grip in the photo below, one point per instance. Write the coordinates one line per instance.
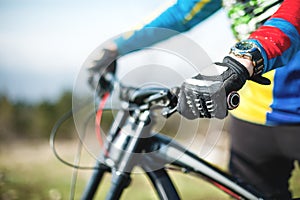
(233, 100)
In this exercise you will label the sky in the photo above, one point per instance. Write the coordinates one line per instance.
(43, 43)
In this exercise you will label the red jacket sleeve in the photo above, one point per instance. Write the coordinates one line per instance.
(279, 37)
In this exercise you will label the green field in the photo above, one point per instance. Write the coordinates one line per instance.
(28, 170)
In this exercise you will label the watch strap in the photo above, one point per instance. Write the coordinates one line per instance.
(258, 62)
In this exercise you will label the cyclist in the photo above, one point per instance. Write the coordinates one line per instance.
(265, 128)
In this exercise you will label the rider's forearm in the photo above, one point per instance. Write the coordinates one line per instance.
(180, 17)
(279, 38)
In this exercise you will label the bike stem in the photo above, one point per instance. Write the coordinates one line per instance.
(127, 141)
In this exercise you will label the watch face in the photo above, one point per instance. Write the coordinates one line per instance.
(244, 46)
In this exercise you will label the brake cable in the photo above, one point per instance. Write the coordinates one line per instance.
(54, 133)
(99, 116)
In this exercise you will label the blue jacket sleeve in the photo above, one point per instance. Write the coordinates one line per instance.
(180, 17)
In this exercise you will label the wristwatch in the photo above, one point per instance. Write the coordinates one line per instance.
(249, 50)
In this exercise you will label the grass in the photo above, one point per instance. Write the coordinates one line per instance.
(30, 171)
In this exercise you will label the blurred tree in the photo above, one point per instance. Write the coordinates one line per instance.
(23, 119)
(6, 117)
(63, 105)
(35, 121)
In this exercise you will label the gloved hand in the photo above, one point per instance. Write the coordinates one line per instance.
(105, 64)
(205, 96)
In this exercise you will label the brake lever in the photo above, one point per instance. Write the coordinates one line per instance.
(158, 99)
(165, 99)
(172, 108)
(167, 112)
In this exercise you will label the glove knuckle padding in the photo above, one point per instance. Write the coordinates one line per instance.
(206, 95)
(198, 101)
(183, 105)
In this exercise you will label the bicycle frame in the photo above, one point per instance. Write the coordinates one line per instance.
(131, 142)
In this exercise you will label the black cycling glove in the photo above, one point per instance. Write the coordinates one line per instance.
(105, 64)
(205, 96)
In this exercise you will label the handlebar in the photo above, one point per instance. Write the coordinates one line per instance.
(155, 97)
(151, 97)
